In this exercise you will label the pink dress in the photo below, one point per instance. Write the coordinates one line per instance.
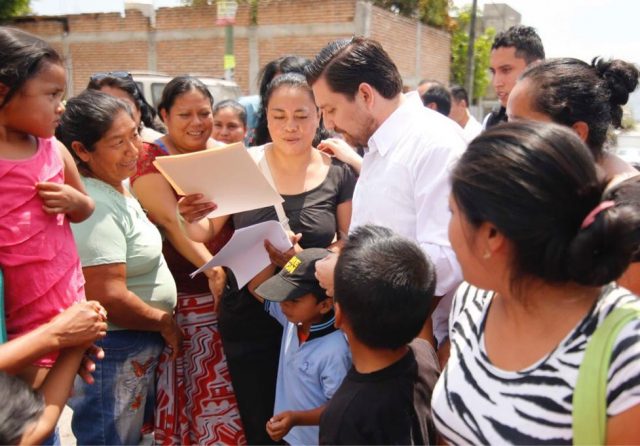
(38, 255)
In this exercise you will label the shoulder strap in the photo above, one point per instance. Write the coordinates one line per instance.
(158, 142)
(3, 327)
(261, 156)
(590, 393)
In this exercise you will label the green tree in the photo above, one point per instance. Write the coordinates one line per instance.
(481, 47)
(430, 12)
(434, 12)
(13, 8)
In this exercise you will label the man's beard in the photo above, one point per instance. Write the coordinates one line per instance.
(361, 140)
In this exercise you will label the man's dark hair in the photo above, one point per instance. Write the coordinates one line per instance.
(524, 39)
(439, 95)
(20, 407)
(347, 63)
(384, 285)
(458, 93)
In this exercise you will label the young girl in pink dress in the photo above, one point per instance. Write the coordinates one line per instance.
(41, 191)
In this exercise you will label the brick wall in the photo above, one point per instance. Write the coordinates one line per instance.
(186, 40)
(435, 54)
(400, 36)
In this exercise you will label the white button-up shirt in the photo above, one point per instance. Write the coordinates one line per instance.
(472, 129)
(404, 183)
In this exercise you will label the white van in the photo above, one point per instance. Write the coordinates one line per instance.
(152, 84)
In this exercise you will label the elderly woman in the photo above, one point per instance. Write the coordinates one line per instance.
(121, 255)
(188, 412)
(317, 193)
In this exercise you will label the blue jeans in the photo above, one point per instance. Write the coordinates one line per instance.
(113, 410)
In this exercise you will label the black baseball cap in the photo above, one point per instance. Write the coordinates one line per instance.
(297, 278)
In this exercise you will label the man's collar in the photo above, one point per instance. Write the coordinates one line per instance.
(386, 136)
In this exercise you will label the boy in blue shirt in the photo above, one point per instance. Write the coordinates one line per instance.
(314, 355)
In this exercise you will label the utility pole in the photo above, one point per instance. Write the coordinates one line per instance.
(226, 16)
(229, 56)
(470, 50)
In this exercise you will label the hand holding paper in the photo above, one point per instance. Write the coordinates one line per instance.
(280, 258)
(245, 253)
(191, 208)
(226, 175)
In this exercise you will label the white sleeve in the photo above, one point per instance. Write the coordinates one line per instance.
(431, 199)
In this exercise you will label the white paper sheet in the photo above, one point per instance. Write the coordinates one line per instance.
(244, 253)
(226, 175)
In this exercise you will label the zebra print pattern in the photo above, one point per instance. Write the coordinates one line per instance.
(195, 403)
(474, 402)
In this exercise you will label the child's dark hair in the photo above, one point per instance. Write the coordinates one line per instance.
(177, 87)
(626, 193)
(237, 107)
(384, 285)
(524, 39)
(87, 117)
(128, 85)
(22, 56)
(570, 90)
(20, 407)
(537, 183)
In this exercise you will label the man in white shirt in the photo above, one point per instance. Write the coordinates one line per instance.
(460, 113)
(404, 182)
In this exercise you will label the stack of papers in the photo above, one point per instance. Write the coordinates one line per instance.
(229, 177)
(244, 253)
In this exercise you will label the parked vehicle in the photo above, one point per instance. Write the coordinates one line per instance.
(152, 84)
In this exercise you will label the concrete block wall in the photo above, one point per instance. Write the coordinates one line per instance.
(186, 40)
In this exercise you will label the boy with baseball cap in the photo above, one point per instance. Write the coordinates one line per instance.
(314, 355)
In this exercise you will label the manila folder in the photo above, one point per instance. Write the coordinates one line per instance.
(226, 175)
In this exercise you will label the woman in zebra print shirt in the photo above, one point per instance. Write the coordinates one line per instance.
(538, 249)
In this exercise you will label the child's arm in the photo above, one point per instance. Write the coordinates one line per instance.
(56, 390)
(261, 277)
(69, 198)
(81, 323)
(280, 424)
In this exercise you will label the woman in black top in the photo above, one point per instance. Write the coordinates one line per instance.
(317, 193)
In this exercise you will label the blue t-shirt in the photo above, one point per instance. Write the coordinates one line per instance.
(308, 374)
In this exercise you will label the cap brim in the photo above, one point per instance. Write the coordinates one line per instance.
(277, 289)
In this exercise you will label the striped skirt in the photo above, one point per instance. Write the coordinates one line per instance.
(195, 403)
